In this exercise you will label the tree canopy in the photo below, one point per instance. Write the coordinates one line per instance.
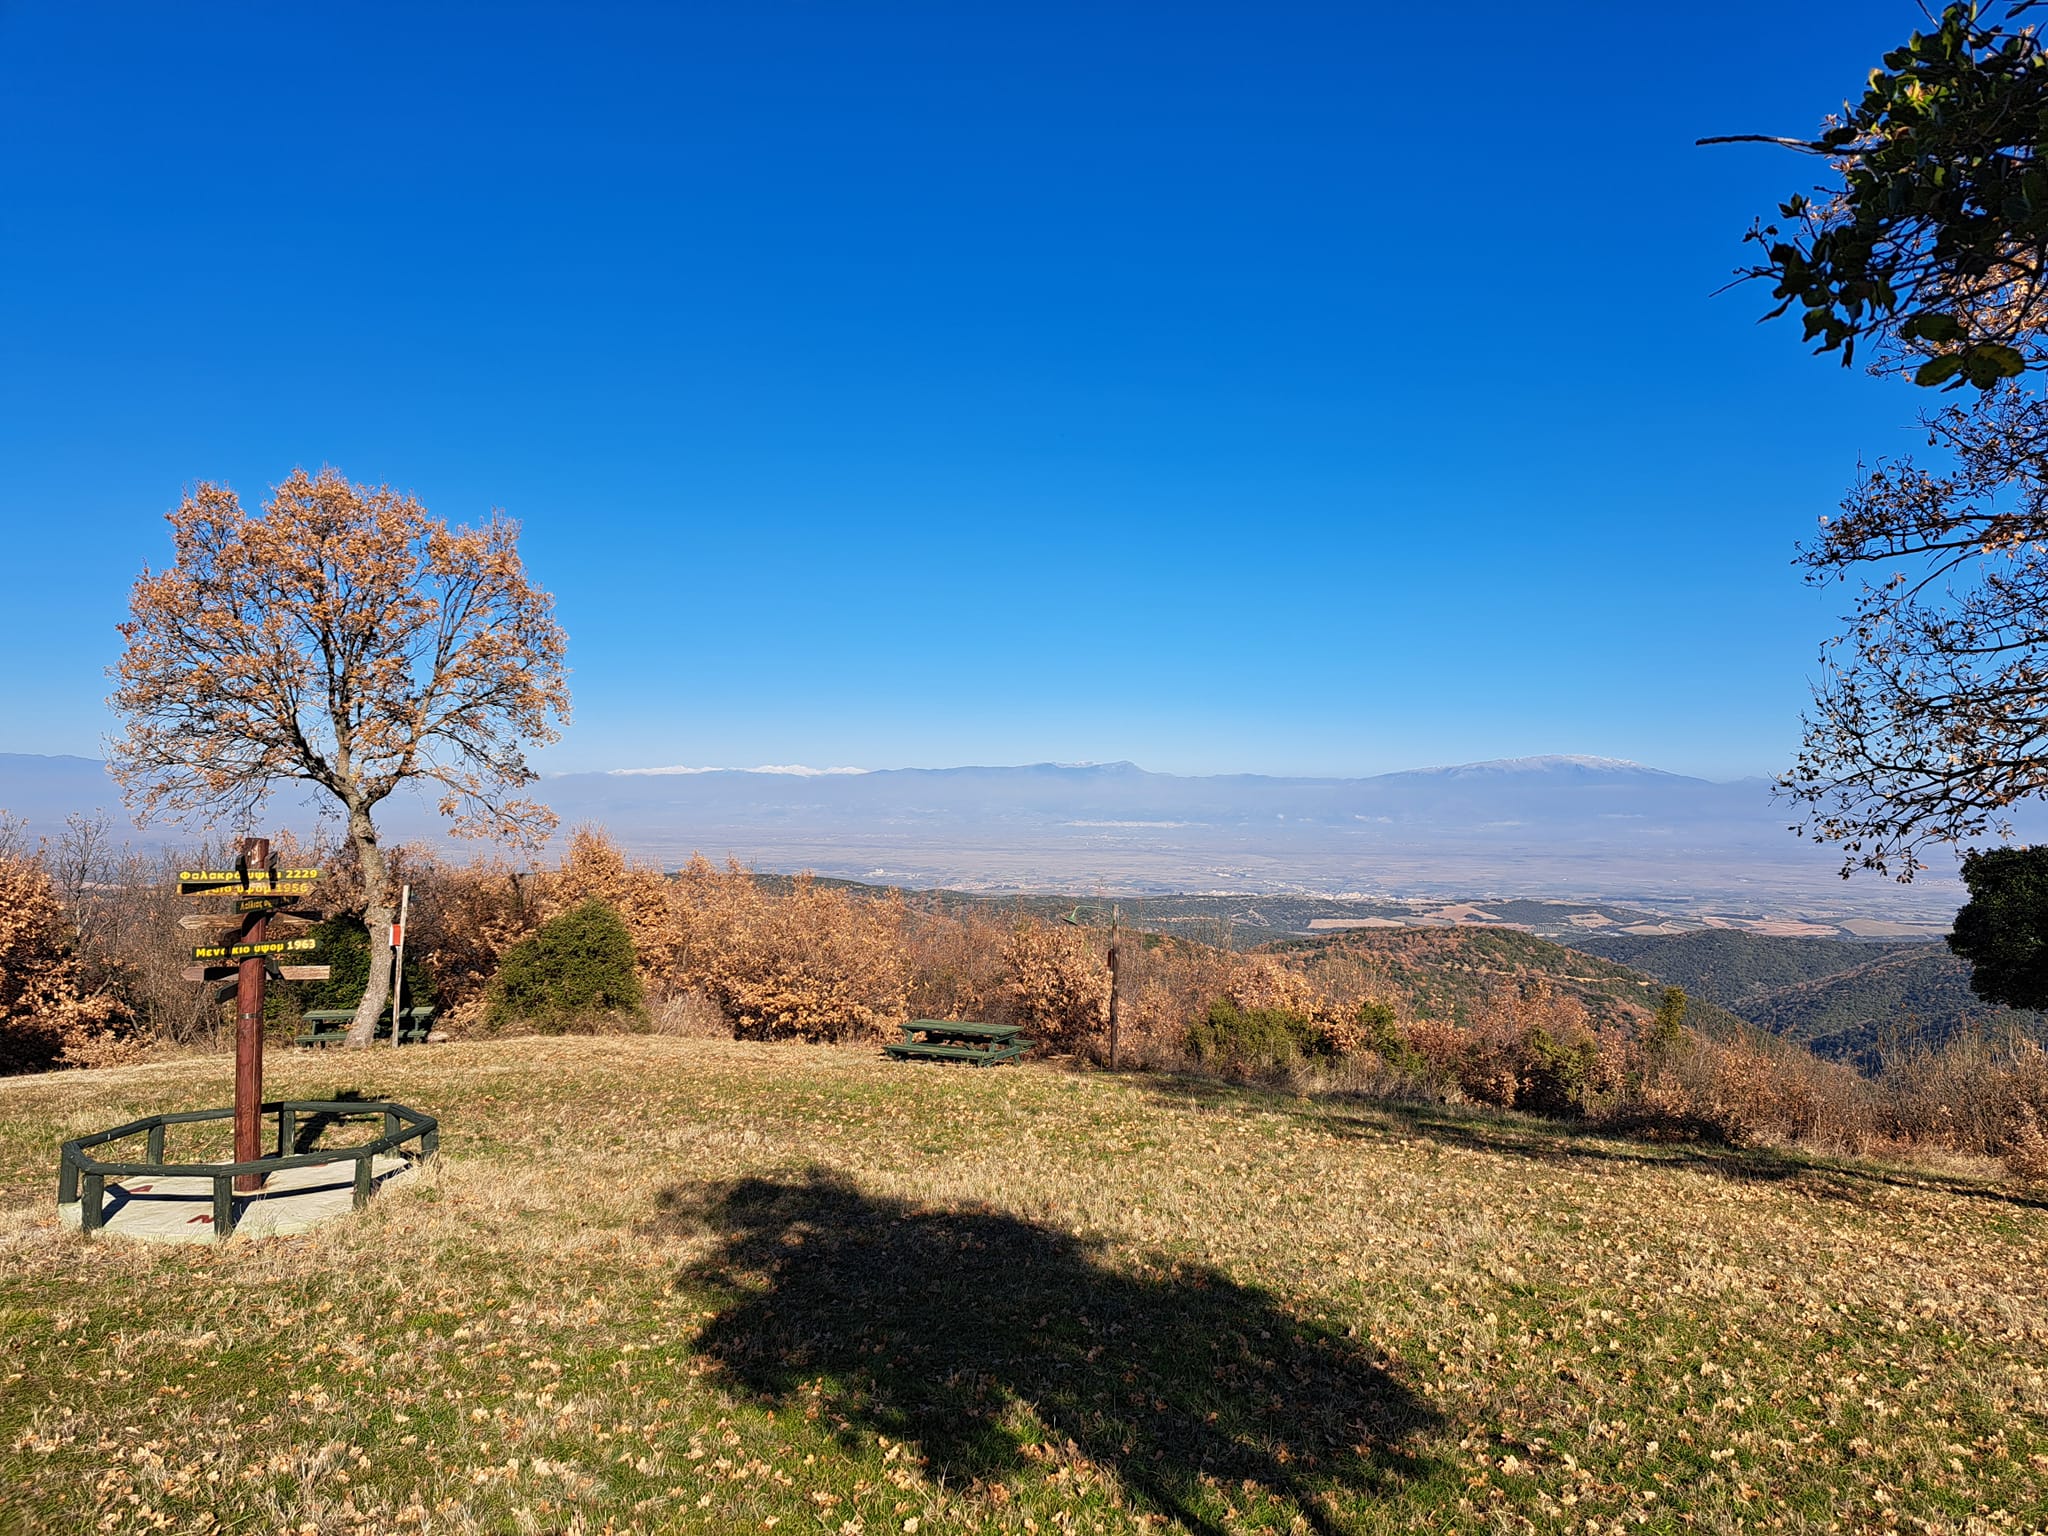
(1930, 718)
(346, 642)
(2003, 929)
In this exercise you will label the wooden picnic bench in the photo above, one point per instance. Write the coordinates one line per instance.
(958, 1040)
(329, 1026)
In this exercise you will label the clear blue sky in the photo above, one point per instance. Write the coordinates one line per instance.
(1277, 388)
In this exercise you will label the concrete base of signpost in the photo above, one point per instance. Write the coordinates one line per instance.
(292, 1201)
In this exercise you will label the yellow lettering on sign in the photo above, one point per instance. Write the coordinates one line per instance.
(256, 876)
(256, 888)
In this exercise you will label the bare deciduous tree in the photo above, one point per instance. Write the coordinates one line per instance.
(1931, 717)
(347, 641)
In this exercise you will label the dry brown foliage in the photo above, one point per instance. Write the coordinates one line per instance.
(809, 963)
(1975, 1096)
(48, 1017)
(1758, 1090)
(1055, 981)
(956, 965)
(464, 917)
(95, 944)
(344, 639)
(1165, 984)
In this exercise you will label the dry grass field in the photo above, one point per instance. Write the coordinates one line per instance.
(659, 1284)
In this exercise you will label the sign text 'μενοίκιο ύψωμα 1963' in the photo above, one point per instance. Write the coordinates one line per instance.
(250, 951)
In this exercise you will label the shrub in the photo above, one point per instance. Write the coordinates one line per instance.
(1379, 1033)
(955, 965)
(1255, 1041)
(1056, 981)
(576, 971)
(808, 963)
(48, 1017)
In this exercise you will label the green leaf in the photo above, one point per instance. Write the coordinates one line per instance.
(1938, 370)
(2006, 361)
(1931, 327)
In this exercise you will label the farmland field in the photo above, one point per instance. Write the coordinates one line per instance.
(661, 1284)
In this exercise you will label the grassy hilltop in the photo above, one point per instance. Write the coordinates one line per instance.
(663, 1284)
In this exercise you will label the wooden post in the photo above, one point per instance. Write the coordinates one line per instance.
(1115, 959)
(398, 960)
(249, 1028)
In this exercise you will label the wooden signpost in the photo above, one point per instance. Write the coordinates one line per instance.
(260, 890)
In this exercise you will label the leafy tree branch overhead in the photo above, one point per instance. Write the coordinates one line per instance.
(1930, 717)
(346, 640)
(1932, 240)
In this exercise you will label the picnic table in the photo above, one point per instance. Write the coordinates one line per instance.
(958, 1040)
(329, 1026)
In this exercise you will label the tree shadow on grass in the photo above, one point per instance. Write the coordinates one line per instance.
(940, 1326)
(1567, 1143)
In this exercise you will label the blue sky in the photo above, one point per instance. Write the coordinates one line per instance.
(1283, 388)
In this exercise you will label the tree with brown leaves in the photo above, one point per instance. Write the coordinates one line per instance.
(49, 1014)
(347, 641)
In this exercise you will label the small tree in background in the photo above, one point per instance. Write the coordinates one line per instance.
(2003, 930)
(578, 968)
(347, 642)
(1667, 1029)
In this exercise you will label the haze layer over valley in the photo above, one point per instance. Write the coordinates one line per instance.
(1574, 828)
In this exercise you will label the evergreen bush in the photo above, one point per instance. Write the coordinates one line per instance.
(1254, 1040)
(1380, 1032)
(576, 972)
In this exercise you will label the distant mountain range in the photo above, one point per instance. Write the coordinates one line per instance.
(1574, 827)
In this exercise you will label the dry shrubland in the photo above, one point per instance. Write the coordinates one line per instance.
(51, 1012)
(90, 953)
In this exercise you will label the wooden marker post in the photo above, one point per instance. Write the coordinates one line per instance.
(1115, 965)
(240, 960)
(249, 1022)
(398, 962)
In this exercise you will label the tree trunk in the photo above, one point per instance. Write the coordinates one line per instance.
(377, 915)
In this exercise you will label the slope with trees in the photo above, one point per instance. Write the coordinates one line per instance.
(1455, 974)
(1845, 1001)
